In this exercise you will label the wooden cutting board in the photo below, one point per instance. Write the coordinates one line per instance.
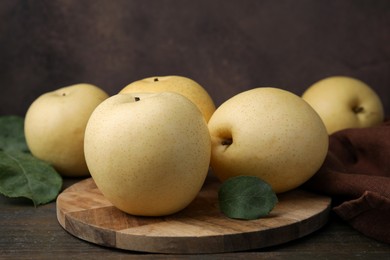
(200, 228)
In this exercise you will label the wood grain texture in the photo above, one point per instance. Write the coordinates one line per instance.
(200, 228)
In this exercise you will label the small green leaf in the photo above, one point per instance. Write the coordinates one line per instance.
(246, 197)
(12, 134)
(22, 175)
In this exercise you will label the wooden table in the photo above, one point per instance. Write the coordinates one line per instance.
(34, 233)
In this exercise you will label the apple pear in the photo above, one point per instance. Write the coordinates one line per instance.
(55, 124)
(269, 133)
(148, 153)
(182, 85)
(345, 102)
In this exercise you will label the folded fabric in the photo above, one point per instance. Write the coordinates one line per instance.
(356, 174)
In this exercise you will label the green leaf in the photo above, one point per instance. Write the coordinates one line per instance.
(22, 175)
(246, 197)
(12, 134)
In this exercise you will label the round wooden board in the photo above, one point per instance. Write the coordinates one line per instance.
(200, 228)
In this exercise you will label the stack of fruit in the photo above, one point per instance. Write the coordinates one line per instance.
(149, 148)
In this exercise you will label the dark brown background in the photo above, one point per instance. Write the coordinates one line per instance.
(227, 46)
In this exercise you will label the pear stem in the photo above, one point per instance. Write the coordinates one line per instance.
(227, 142)
(358, 109)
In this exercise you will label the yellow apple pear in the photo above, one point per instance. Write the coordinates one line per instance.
(148, 153)
(179, 84)
(269, 133)
(55, 124)
(345, 102)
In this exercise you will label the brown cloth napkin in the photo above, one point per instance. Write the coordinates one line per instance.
(356, 174)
